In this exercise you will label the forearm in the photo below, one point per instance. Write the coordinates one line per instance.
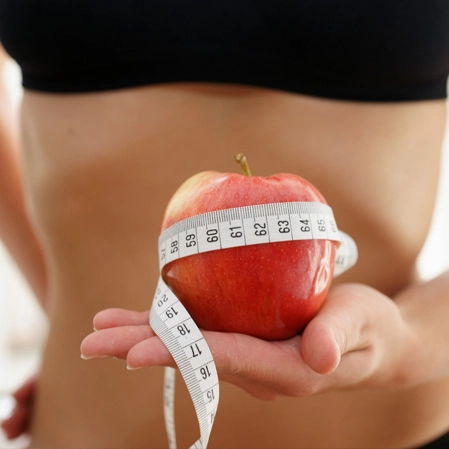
(425, 310)
(16, 231)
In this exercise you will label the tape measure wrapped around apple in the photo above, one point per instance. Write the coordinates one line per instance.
(245, 254)
(269, 290)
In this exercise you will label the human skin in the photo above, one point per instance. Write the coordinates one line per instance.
(97, 198)
(16, 231)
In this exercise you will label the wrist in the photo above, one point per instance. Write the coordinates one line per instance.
(405, 370)
(424, 310)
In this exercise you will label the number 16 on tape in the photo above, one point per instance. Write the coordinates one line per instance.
(182, 337)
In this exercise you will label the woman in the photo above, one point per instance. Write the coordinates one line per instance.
(123, 102)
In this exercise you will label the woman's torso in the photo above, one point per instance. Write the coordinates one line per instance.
(100, 171)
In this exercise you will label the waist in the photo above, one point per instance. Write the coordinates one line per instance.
(114, 159)
(101, 169)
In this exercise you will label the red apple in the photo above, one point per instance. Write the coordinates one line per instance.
(270, 290)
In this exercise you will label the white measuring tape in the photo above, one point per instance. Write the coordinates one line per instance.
(229, 228)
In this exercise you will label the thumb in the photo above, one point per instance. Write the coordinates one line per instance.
(319, 347)
(336, 330)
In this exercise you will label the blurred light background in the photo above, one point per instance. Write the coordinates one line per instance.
(23, 325)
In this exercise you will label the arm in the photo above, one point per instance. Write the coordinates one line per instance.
(16, 230)
(17, 233)
(425, 309)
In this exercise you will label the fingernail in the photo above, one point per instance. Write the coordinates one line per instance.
(132, 368)
(95, 357)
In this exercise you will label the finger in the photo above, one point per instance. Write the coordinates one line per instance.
(119, 317)
(148, 353)
(338, 329)
(319, 348)
(18, 422)
(224, 347)
(152, 352)
(114, 342)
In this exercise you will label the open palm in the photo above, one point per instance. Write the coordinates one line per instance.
(340, 347)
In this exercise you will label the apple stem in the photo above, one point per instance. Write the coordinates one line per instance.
(240, 158)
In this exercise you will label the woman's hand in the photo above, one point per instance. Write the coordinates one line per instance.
(357, 339)
(18, 423)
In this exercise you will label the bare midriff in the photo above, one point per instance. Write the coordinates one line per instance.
(100, 169)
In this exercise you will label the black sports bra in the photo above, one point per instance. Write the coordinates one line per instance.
(369, 50)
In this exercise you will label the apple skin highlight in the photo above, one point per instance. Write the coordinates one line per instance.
(271, 290)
